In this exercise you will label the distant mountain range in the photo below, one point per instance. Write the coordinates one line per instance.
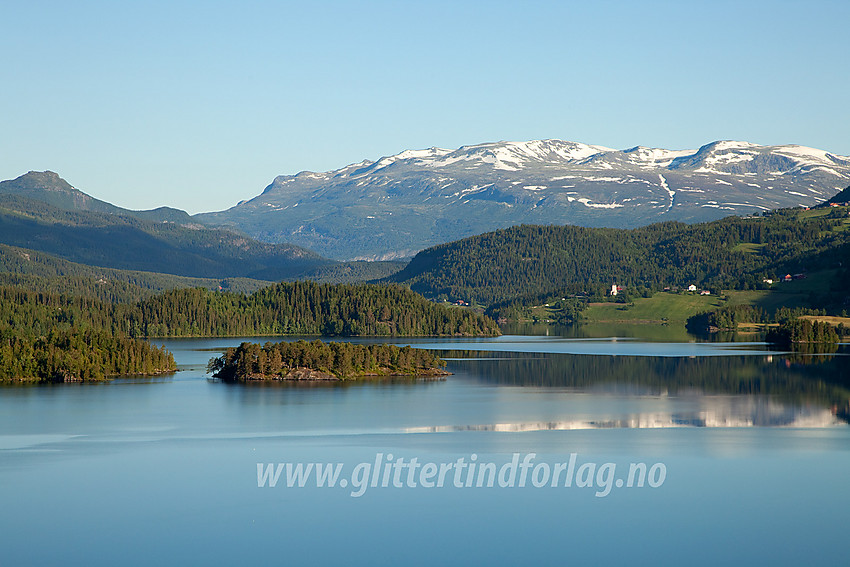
(398, 205)
(41, 212)
(48, 187)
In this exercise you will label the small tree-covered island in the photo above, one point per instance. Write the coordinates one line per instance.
(317, 360)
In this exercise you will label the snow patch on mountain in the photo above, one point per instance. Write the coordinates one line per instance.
(654, 157)
(586, 202)
(669, 191)
(804, 153)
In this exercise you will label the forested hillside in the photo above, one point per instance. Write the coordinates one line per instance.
(31, 269)
(34, 270)
(113, 241)
(539, 261)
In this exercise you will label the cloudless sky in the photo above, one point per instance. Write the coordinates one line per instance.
(198, 105)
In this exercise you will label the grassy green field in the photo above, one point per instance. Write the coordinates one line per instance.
(822, 212)
(676, 308)
(829, 319)
(661, 307)
(665, 314)
(771, 300)
(665, 307)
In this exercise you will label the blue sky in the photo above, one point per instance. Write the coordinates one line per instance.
(198, 105)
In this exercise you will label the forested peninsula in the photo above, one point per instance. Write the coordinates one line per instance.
(303, 308)
(57, 337)
(300, 308)
(74, 355)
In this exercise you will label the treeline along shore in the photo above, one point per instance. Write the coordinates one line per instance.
(300, 308)
(56, 337)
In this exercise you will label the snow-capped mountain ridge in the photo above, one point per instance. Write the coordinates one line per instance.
(399, 204)
(552, 152)
(714, 157)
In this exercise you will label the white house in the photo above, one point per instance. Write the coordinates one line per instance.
(692, 287)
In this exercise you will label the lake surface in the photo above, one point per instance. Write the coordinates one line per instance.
(745, 453)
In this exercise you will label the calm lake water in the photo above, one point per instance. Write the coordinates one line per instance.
(746, 453)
